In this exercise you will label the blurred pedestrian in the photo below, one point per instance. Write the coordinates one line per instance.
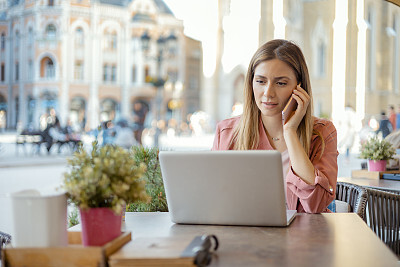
(348, 129)
(385, 127)
(398, 118)
(58, 135)
(392, 117)
(140, 111)
(3, 120)
(124, 136)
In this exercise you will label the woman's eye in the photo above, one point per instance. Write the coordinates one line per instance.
(260, 81)
(281, 83)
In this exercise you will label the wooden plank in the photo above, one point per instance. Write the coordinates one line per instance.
(370, 174)
(57, 256)
(75, 254)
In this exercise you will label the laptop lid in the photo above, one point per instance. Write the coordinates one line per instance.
(225, 187)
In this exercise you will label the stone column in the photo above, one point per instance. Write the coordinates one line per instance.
(339, 60)
(93, 105)
(22, 109)
(125, 63)
(361, 60)
(66, 61)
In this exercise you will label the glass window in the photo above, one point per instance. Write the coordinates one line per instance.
(79, 70)
(50, 70)
(30, 70)
(105, 72)
(17, 39)
(113, 73)
(2, 72)
(111, 41)
(3, 41)
(30, 36)
(79, 37)
(51, 32)
(17, 71)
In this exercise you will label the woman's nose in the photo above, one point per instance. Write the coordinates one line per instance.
(268, 90)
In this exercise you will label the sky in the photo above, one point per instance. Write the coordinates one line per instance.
(200, 19)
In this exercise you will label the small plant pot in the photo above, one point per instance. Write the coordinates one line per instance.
(99, 226)
(376, 166)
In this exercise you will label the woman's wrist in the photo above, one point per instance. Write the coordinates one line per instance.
(289, 132)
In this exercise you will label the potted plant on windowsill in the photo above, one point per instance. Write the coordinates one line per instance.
(101, 183)
(377, 152)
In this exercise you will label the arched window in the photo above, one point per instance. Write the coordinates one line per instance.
(30, 36)
(105, 72)
(3, 41)
(51, 3)
(47, 68)
(17, 39)
(50, 72)
(111, 41)
(79, 36)
(51, 32)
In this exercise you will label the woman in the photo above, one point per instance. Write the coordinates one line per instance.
(308, 144)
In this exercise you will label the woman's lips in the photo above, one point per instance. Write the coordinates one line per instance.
(269, 105)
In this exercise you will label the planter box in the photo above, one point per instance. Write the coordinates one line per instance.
(75, 254)
(369, 174)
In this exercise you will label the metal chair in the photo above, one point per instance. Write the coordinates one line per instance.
(383, 216)
(354, 195)
(4, 240)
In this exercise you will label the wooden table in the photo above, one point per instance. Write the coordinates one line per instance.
(337, 239)
(369, 182)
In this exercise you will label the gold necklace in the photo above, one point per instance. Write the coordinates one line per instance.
(275, 139)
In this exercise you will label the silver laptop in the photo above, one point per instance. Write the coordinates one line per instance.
(225, 187)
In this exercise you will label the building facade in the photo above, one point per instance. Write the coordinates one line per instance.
(92, 60)
(352, 48)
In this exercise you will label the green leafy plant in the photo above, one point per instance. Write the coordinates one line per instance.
(377, 149)
(153, 178)
(73, 218)
(105, 177)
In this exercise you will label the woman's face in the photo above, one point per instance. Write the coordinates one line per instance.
(273, 84)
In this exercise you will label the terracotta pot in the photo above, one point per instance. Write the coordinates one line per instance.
(99, 226)
(377, 166)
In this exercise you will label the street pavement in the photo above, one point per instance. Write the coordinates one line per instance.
(13, 156)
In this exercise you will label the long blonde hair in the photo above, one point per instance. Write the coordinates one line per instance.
(246, 134)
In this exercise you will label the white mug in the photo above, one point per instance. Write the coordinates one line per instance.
(39, 220)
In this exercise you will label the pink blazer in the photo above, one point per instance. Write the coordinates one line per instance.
(300, 195)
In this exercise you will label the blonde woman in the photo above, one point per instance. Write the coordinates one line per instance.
(308, 144)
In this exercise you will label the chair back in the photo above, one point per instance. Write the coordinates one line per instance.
(354, 195)
(383, 216)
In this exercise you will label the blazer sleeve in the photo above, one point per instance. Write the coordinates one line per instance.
(316, 198)
(217, 138)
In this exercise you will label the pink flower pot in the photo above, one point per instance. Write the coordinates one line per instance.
(377, 166)
(99, 226)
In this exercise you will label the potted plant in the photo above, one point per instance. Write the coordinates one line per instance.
(101, 183)
(154, 181)
(377, 152)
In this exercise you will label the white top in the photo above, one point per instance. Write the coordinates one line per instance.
(285, 167)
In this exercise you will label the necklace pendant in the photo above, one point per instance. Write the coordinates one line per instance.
(275, 139)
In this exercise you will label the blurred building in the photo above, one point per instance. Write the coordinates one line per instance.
(352, 49)
(86, 59)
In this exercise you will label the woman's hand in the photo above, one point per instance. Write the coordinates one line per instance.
(303, 100)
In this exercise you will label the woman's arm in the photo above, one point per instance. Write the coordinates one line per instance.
(316, 196)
